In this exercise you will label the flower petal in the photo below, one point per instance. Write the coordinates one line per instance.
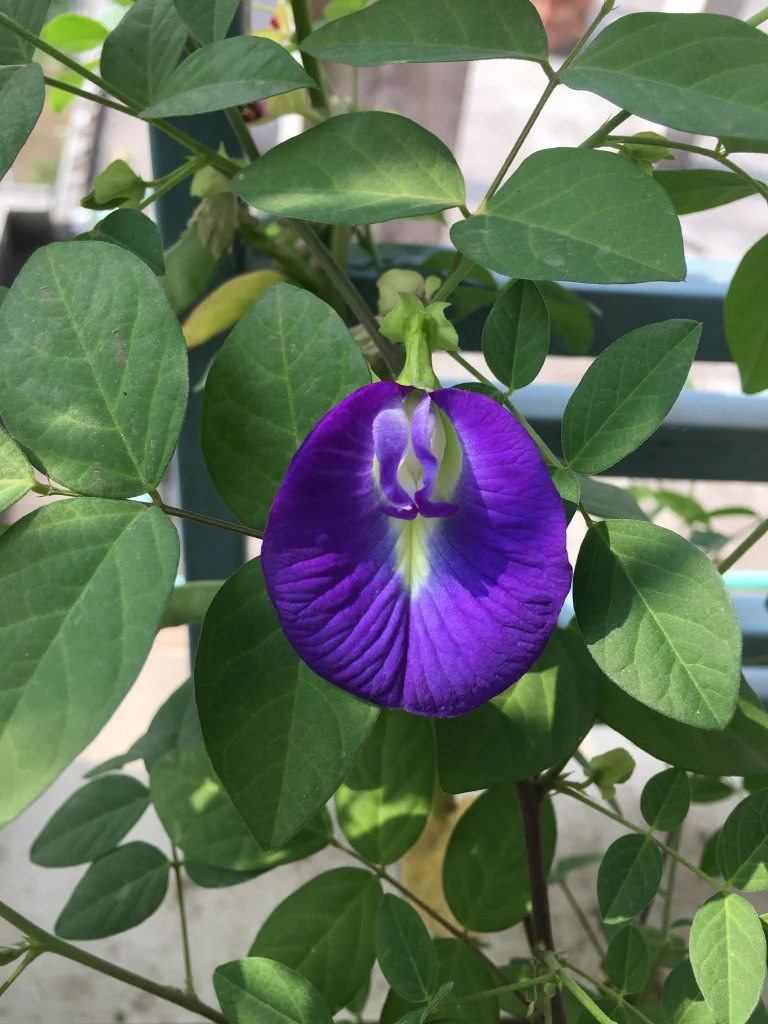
(432, 615)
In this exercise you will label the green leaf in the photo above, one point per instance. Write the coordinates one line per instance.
(742, 848)
(190, 602)
(326, 930)
(610, 770)
(708, 861)
(117, 185)
(485, 872)
(728, 957)
(91, 822)
(283, 747)
(359, 168)
(628, 878)
(209, 877)
(700, 73)
(192, 261)
(16, 475)
(134, 231)
(226, 305)
(569, 489)
(570, 316)
(530, 727)
(626, 393)
(706, 789)
(384, 802)
(420, 1015)
(568, 864)
(260, 991)
(702, 188)
(117, 892)
(140, 55)
(30, 14)
(746, 318)
(608, 501)
(22, 96)
(687, 508)
(666, 799)
(74, 32)
(100, 397)
(405, 950)
(286, 364)
(202, 821)
(516, 335)
(682, 999)
(71, 654)
(650, 605)
(626, 962)
(229, 73)
(555, 219)
(207, 20)
(470, 975)
(398, 31)
(741, 748)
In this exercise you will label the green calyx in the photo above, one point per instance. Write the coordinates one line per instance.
(422, 331)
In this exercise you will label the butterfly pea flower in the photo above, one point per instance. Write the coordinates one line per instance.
(415, 551)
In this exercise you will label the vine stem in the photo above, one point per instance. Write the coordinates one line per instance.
(759, 18)
(674, 844)
(195, 517)
(303, 22)
(642, 832)
(519, 986)
(582, 918)
(186, 950)
(173, 179)
(529, 799)
(585, 999)
(758, 186)
(94, 97)
(240, 128)
(605, 129)
(606, 991)
(29, 957)
(47, 943)
(759, 531)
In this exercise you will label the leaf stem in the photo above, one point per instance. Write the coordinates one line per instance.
(196, 517)
(46, 942)
(674, 844)
(605, 129)
(94, 97)
(585, 999)
(608, 992)
(759, 18)
(187, 169)
(582, 918)
(461, 267)
(240, 128)
(759, 531)
(642, 832)
(301, 18)
(30, 956)
(519, 986)
(188, 979)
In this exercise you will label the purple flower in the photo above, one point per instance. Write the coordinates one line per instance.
(415, 552)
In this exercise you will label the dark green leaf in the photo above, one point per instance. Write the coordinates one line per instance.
(608, 501)
(259, 991)
(326, 930)
(683, 505)
(516, 335)
(117, 892)
(569, 489)
(554, 219)
(728, 957)
(74, 32)
(281, 748)
(357, 168)
(16, 475)
(405, 950)
(755, 783)
(568, 864)
(229, 73)
(740, 748)
(100, 396)
(209, 877)
(706, 789)
(30, 14)
(527, 729)
(746, 318)
(384, 802)
(700, 73)
(485, 872)
(22, 95)
(702, 188)
(570, 316)
(628, 878)
(682, 999)
(399, 32)
(91, 822)
(742, 848)
(207, 20)
(140, 55)
(666, 799)
(76, 622)
(708, 861)
(191, 263)
(626, 393)
(648, 604)
(202, 821)
(190, 602)
(470, 975)
(420, 1015)
(288, 361)
(134, 231)
(626, 961)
